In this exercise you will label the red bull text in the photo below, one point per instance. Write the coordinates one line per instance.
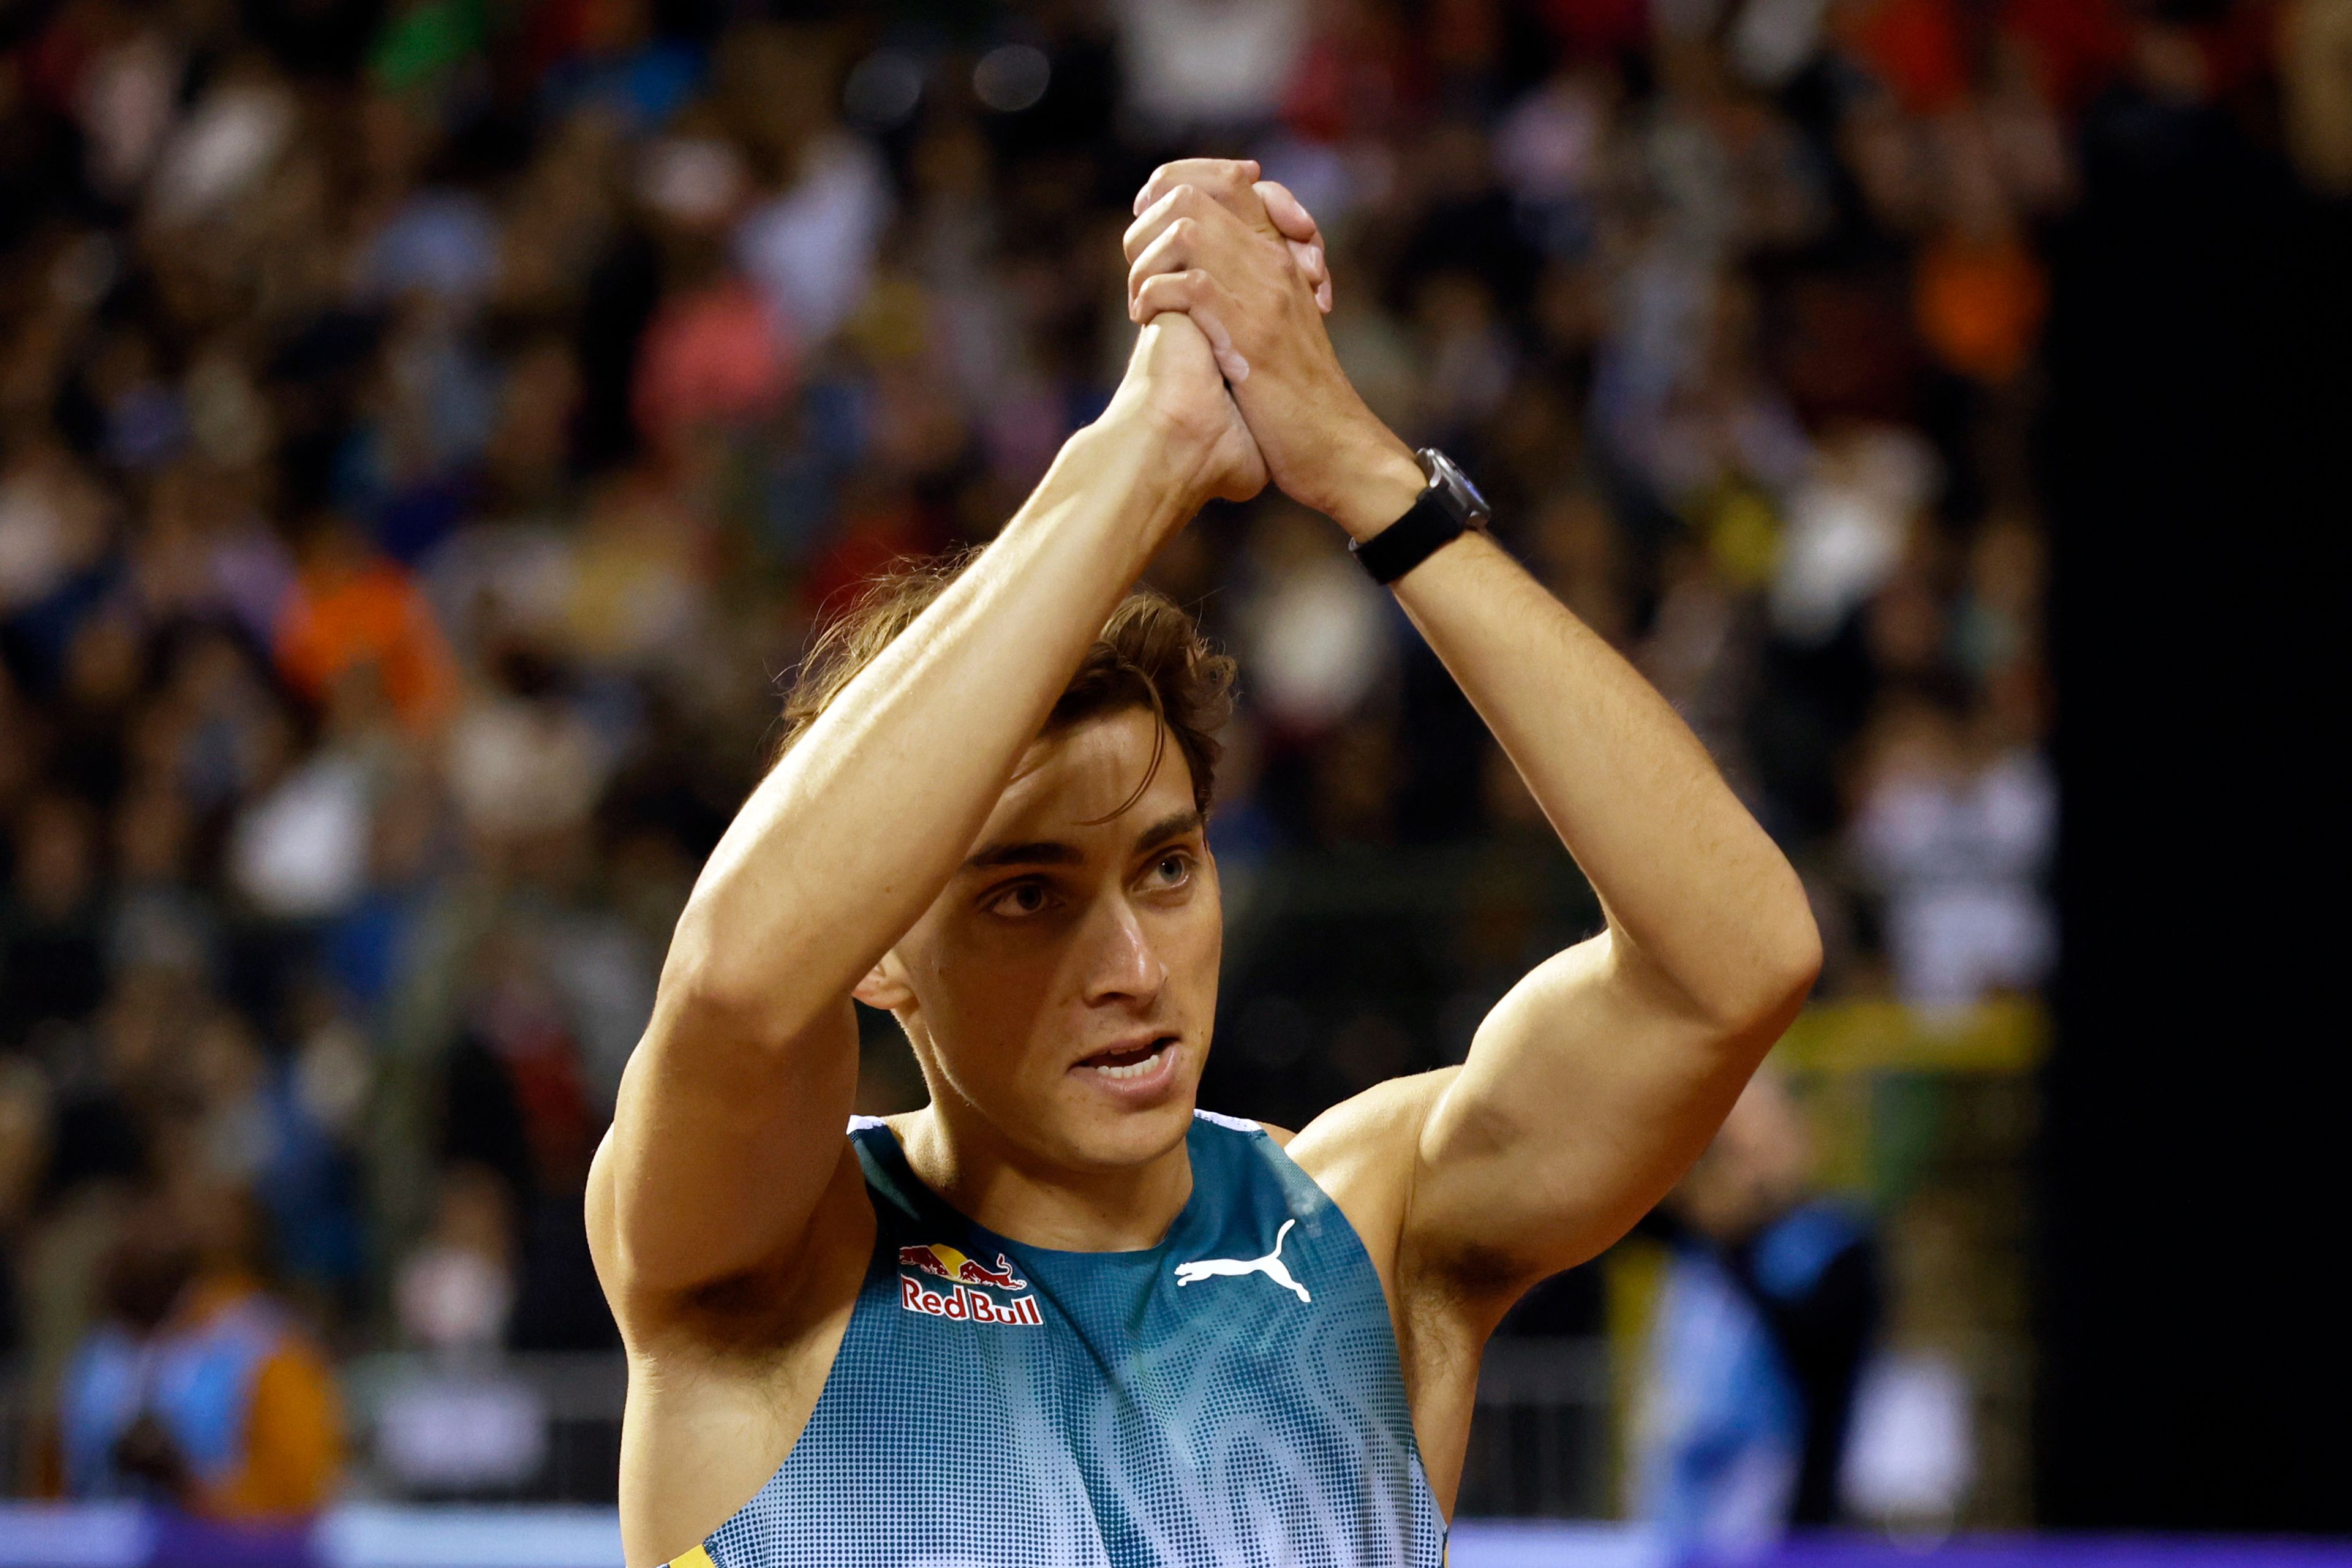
(963, 1300)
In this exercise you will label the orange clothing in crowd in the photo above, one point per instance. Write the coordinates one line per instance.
(344, 614)
(240, 1404)
(1979, 306)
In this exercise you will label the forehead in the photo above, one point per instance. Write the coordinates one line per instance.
(1069, 778)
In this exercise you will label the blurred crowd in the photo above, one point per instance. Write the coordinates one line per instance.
(428, 428)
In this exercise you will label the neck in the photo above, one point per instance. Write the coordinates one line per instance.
(988, 1179)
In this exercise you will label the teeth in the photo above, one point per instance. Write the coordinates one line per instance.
(1135, 1070)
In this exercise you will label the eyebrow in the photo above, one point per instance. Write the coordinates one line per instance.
(1036, 852)
(1175, 825)
(1055, 852)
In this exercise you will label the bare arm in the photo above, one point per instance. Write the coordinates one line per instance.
(1599, 1079)
(731, 1112)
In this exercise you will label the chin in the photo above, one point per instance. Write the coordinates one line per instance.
(1128, 1136)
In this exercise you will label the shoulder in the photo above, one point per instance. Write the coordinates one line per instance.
(1280, 1136)
(1363, 1152)
(1377, 1130)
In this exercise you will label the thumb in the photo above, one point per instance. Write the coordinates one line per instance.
(1289, 214)
(1314, 268)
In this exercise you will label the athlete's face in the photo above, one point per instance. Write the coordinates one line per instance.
(1063, 985)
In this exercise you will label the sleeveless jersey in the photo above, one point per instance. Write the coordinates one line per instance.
(1229, 1396)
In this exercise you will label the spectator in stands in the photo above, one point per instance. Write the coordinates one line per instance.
(1770, 1303)
(196, 1389)
(455, 1291)
(1955, 830)
(51, 942)
(24, 1150)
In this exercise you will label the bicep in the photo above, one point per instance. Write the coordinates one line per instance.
(721, 1144)
(1587, 1093)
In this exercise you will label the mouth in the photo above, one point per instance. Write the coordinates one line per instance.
(1132, 1065)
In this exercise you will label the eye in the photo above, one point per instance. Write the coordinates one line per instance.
(1170, 871)
(1019, 901)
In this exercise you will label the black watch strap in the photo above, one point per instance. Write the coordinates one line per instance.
(1410, 540)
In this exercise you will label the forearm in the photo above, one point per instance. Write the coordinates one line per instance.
(1698, 896)
(1595, 1081)
(1695, 890)
(727, 1130)
(854, 833)
(1592, 1085)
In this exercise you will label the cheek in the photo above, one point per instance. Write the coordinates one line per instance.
(997, 961)
(984, 989)
(1192, 944)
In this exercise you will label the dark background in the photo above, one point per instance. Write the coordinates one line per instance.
(2196, 1369)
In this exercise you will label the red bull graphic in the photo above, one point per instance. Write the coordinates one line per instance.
(963, 1300)
(949, 1263)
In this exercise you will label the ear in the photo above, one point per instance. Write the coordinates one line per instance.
(884, 986)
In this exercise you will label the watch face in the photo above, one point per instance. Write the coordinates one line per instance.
(1442, 470)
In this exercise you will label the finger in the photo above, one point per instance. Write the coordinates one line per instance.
(1229, 362)
(1312, 267)
(1224, 178)
(1245, 485)
(1299, 230)
(1308, 256)
(1170, 291)
(1170, 250)
(1177, 203)
(1195, 294)
(1289, 214)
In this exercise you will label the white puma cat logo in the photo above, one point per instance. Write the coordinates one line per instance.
(1271, 1266)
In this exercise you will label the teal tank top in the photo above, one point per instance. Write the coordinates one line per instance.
(1229, 1396)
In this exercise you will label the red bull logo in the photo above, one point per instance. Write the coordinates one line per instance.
(949, 1264)
(961, 1301)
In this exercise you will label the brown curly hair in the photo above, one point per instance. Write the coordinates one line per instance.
(1150, 654)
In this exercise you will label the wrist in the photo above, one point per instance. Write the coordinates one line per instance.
(1135, 444)
(1167, 438)
(1374, 480)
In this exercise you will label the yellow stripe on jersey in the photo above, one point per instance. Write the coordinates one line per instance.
(697, 1558)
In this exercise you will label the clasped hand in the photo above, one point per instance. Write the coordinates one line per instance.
(1228, 277)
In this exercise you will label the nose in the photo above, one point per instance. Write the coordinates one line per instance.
(1121, 964)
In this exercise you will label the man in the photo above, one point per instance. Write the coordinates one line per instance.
(1055, 1316)
(197, 1389)
(1770, 1304)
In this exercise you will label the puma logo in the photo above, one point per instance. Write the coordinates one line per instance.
(1271, 1266)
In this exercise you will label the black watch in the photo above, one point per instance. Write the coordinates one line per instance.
(1447, 509)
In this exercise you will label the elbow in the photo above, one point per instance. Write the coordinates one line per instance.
(1746, 996)
(718, 1013)
(1784, 962)
(710, 998)
(1797, 962)
(762, 969)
